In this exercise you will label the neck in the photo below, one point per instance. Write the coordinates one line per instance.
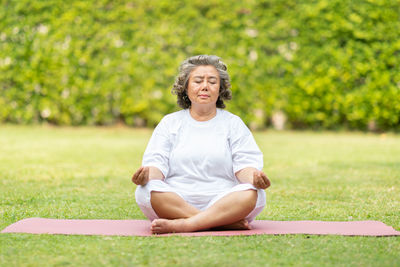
(203, 114)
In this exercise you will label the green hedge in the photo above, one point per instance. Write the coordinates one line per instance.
(326, 64)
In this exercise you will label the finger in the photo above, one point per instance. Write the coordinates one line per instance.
(136, 175)
(265, 179)
(145, 176)
(138, 172)
(257, 181)
(261, 182)
(255, 176)
(141, 177)
(264, 176)
(258, 184)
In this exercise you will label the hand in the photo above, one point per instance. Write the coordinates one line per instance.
(141, 176)
(260, 180)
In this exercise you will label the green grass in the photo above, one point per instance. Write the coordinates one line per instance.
(84, 173)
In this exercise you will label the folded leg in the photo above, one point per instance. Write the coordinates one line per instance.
(169, 205)
(158, 200)
(230, 209)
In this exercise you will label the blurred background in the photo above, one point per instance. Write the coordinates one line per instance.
(328, 64)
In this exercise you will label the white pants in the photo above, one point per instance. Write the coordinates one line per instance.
(201, 202)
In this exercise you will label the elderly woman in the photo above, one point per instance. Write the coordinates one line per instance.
(201, 168)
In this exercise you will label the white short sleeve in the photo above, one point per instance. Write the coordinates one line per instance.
(245, 152)
(158, 149)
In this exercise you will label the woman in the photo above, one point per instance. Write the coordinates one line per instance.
(201, 168)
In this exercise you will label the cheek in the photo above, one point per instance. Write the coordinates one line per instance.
(191, 92)
(216, 91)
(189, 89)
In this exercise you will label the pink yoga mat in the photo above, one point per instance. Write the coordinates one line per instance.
(142, 228)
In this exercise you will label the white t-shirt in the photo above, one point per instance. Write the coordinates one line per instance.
(202, 157)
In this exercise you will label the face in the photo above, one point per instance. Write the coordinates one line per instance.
(203, 85)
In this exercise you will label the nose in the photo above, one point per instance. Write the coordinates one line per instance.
(205, 85)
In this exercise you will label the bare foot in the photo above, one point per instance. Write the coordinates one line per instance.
(240, 225)
(163, 226)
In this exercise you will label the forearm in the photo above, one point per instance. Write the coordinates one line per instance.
(155, 173)
(246, 175)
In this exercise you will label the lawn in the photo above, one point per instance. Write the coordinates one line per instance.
(84, 173)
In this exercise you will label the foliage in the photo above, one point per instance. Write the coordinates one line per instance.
(325, 64)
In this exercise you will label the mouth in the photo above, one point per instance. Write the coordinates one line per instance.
(204, 96)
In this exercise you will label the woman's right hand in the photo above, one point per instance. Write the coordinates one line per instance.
(141, 176)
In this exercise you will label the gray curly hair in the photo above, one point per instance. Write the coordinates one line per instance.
(187, 66)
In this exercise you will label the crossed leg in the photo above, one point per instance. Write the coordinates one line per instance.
(179, 216)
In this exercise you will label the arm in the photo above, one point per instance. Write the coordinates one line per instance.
(254, 177)
(144, 174)
(247, 157)
(156, 156)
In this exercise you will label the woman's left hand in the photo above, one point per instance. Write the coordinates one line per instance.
(260, 180)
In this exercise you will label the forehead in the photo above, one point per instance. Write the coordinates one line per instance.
(205, 70)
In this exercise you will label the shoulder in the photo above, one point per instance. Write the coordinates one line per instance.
(173, 120)
(173, 117)
(233, 120)
(234, 124)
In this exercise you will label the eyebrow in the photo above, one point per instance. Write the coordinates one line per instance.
(210, 77)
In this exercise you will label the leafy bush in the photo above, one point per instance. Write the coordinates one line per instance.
(325, 64)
